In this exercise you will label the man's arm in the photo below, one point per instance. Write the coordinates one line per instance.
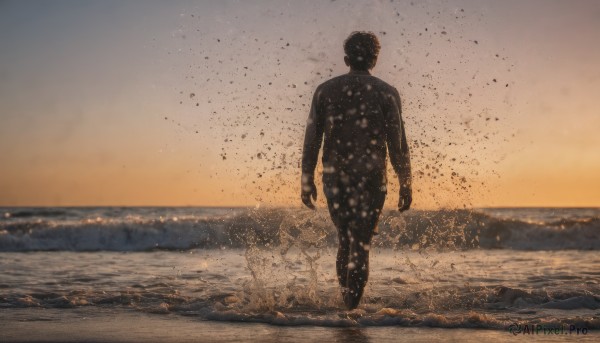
(398, 149)
(312, 145)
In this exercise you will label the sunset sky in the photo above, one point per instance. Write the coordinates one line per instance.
(204, 103)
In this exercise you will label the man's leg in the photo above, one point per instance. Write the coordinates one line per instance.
(358, 266)
(343, 254)
(355, 221)
(361, 232)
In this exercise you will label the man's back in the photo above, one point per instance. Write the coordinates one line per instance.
(357, 114)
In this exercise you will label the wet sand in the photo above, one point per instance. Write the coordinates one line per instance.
(110, 325)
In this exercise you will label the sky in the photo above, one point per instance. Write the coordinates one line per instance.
(147, 103)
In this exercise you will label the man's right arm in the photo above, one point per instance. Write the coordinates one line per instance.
(312, 145)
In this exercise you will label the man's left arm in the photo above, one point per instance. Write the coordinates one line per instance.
(398, 148)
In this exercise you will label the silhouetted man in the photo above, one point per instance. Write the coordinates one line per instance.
(358, 114)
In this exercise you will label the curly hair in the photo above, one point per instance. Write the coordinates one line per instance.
(362, 49)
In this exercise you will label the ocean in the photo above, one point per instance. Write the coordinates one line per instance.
(245, 274)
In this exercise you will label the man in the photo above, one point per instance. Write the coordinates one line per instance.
(358, 115)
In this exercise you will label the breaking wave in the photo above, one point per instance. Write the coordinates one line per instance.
(69, 230)
(412, 309)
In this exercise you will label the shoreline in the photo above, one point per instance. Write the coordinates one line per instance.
(122, 325)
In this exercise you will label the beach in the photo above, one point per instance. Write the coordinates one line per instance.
(178, 274)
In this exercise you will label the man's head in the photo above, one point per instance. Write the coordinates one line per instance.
(362, 49)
